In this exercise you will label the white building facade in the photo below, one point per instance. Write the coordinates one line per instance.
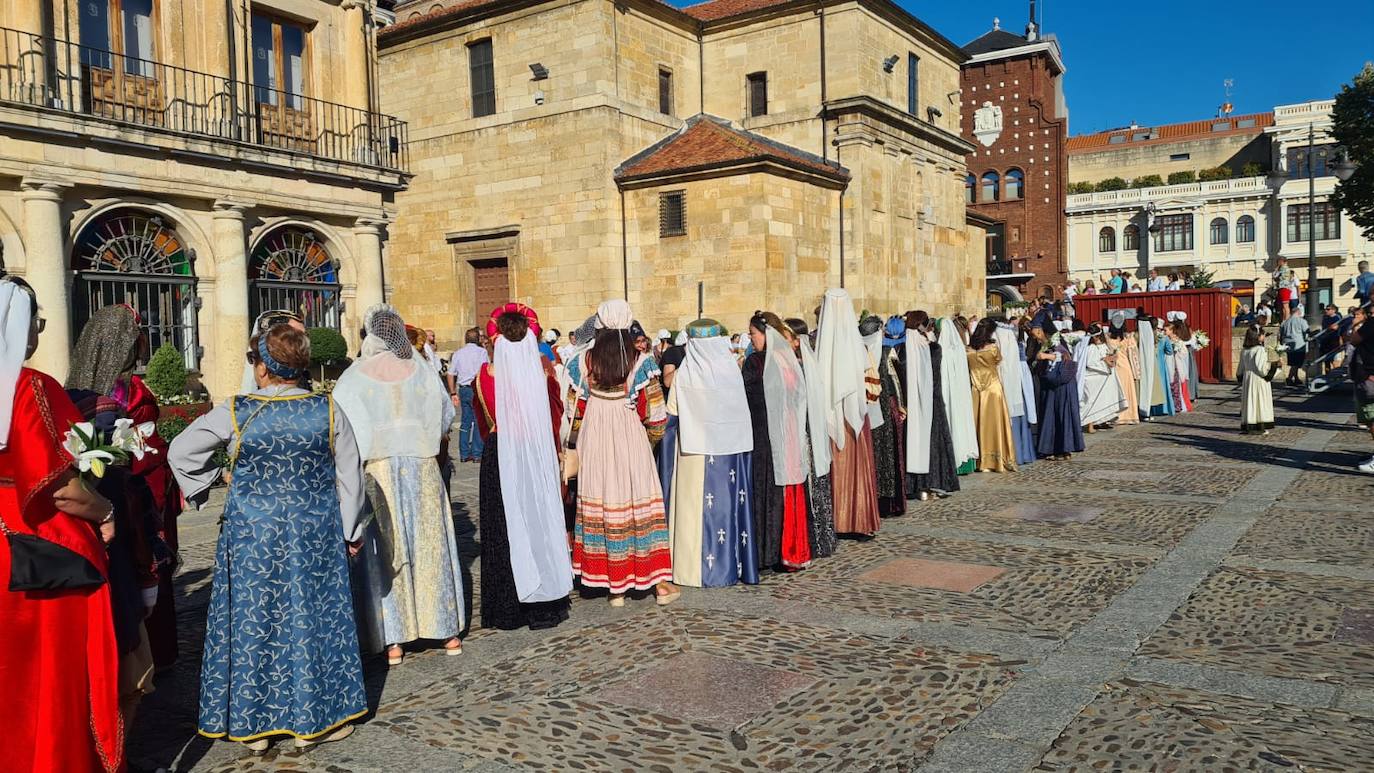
(1235, 228)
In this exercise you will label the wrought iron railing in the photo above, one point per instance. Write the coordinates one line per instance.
(60, 75)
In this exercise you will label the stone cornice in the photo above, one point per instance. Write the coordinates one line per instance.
(731, 169)
(909, 124)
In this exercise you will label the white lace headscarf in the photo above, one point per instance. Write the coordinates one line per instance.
(16, 314)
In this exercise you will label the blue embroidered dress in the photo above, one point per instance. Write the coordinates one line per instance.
(281, 645)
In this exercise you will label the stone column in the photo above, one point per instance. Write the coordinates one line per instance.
(45, 268)
(33, 52)
(356, 54)
(367, 254)
(224, 361)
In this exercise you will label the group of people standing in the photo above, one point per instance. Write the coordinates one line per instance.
(608, 464)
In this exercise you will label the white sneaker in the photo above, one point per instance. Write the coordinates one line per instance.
(1367, 467)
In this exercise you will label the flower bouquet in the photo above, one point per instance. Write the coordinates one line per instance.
(1203, 340)
(127, 441)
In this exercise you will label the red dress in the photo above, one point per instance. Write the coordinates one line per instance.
(58, 659)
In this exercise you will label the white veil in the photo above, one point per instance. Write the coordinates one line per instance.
(817, 410)
(529, 473)
(920, 402)
(16, 314)
(712, 411)
(786, 399)
(1149, 365)
(843, 361)
(1010, 369)
(957, 388)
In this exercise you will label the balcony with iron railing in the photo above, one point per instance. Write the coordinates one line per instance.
(56, 75)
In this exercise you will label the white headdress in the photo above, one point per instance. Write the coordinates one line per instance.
(16, 314)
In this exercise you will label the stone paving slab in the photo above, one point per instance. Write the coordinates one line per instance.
(1145, 726)
(1085, 473)
(1095, 516)
(1275, 623)
(1316, 535)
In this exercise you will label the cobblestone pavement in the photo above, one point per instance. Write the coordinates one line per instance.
(1180, 597)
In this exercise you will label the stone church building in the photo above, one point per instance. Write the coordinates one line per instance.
(570, 151)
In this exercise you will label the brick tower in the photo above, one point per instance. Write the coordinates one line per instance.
(1015, 115)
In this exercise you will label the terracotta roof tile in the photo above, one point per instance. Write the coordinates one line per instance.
(721, 9)
(706, 141)
(1176, 132)
(453, 9)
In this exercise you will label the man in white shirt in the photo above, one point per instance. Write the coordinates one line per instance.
(462, 372)
(1157, 283)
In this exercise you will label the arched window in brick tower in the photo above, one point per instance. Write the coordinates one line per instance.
(1016, 184)
(992, 185)
(1106, 239)
(970, 189)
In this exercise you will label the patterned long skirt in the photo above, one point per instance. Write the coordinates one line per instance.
(620, 539)
(855, 483)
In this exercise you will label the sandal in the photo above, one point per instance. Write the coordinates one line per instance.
(454, 646)
(337, 735)
(394, 655)
(664, 599)
(617, 600)
(259, 747)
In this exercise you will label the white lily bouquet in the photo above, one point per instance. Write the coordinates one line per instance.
(127, 441)
(1203, 340)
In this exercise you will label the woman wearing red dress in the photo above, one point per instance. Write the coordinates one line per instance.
(58, 658)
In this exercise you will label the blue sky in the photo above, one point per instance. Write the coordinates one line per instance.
(1163, 61)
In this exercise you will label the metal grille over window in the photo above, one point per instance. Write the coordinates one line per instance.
(291, 269)
(672, 214)
(482, 78)
(134, 258)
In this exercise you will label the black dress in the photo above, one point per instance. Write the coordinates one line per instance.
(501, 607)
(944, 474)
(889, 444)
(769, 499)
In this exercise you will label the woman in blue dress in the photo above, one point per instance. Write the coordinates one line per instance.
(281, 644)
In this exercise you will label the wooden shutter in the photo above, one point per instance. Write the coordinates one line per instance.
(758, 94)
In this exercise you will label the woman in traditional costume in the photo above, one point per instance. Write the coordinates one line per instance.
(889, 439)
(1061, 430)
(996, 448)
(706, 466)
(957, 387)
(526, 570)
(59, 658)
(1100, 397)
(930, 447)
(819, 492)
(1122, 343)
(777, 401)
(851, 382)
(1016, 387)
(411, 583)
(281, 640)
(102, 365)
(1154, 395)
(620, 538)
(1179, 364)
(1256, 393)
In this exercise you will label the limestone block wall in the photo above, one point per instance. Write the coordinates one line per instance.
(756, 241)
(787, 49)
(643, 45)
(1131, 160)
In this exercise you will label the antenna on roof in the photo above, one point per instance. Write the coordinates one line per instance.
(1226, 107)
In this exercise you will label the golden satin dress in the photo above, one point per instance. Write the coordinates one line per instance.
(996, 449)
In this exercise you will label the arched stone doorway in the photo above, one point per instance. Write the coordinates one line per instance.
(135, 257)
(291, 268)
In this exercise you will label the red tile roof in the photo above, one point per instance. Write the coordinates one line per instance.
(423, 19)
(1088, 143)
(705, 142)
(713, 10)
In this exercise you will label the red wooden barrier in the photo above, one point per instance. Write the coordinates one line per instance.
(1208, 310)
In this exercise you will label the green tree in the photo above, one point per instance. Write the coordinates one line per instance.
(1352, 126)
(1201, 278)
(327, 346)
(1182, 178)
(1222, 172)
(1112, 184)
(1080, 187)
(1252, 169)
(1148, 181)
(166, 375)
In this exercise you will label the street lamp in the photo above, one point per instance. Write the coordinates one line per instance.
(1147, 216)
(1277, 178)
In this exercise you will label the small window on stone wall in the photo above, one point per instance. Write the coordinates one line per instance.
(672, 213)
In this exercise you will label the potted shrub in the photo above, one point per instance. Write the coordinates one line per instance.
(166, 377)
(327, 348)
(1182, 178)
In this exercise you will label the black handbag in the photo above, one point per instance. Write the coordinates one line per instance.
(37, 564)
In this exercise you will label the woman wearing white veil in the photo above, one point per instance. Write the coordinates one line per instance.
(851, 386)
(820, 493)
(526, 569)
(776, 389)
(957, 387)
(705, 464)
(412, 584)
